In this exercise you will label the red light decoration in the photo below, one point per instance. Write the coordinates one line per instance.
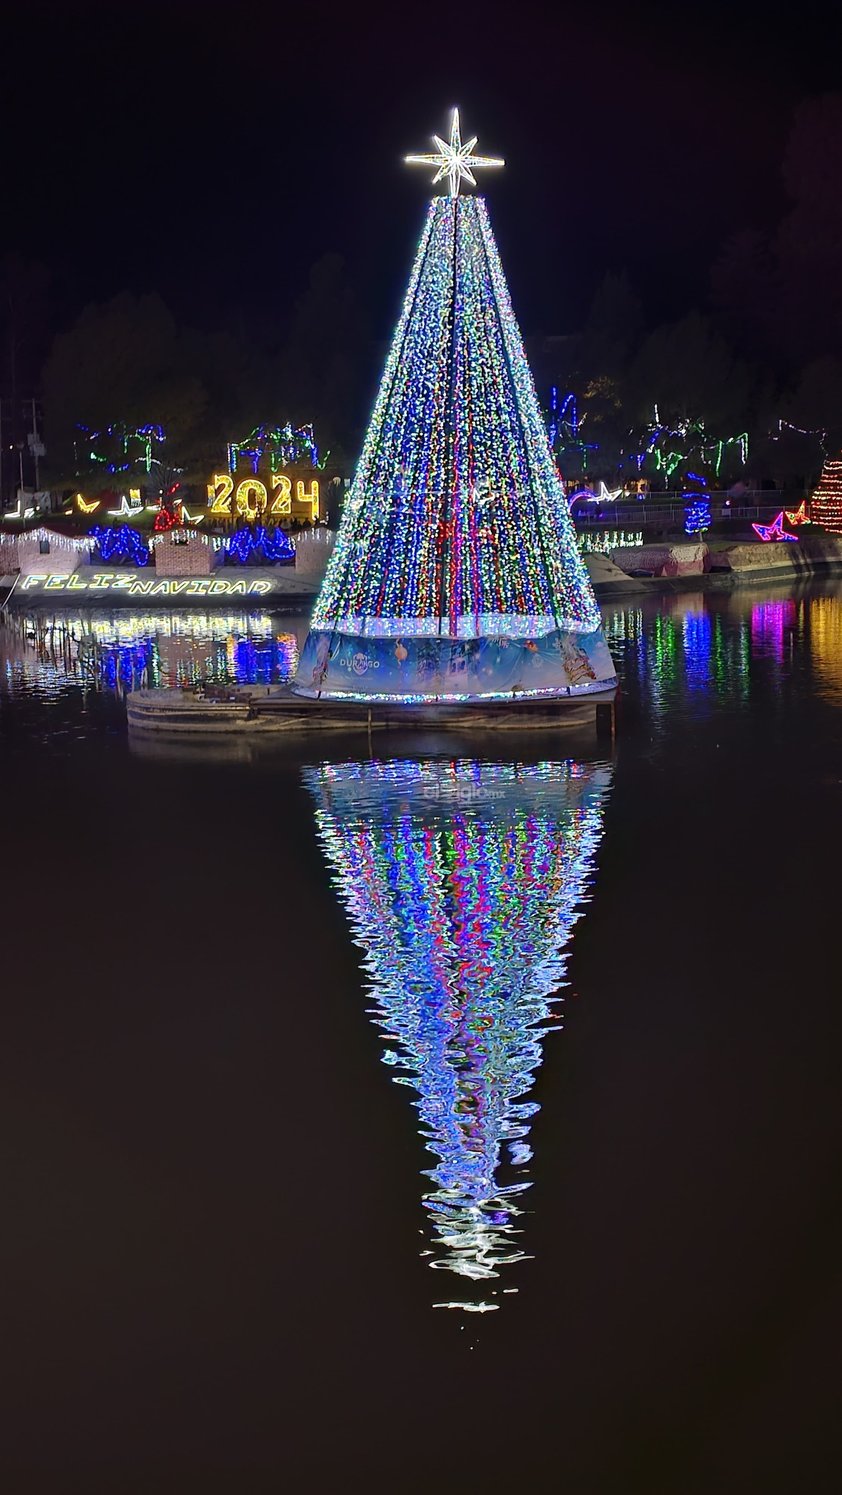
(774, 531)
(165, 519)
(826, 506)
(799, 515)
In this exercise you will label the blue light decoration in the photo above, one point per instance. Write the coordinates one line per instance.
(277, 446)
(249, 546)
(692, 439)
(456, 528)
(563, 429)
(120, 543)
(135, 445)
(696, 513)
(462, 881)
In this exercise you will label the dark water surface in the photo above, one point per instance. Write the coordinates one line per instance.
(590, 1241)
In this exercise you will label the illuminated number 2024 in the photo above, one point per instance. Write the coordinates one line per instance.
(251, 498)
(219, 493)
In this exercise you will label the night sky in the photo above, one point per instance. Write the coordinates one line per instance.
(212, 153)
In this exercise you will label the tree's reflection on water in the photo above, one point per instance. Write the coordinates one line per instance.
(462, 880)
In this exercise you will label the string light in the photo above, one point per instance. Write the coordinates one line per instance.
(696, 513)
(826, 503)
(280, 446)
(456, 525)
(120, 543)
(146, 437)
(274, 545)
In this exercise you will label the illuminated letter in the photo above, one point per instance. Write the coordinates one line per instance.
(282, 504)
(32, 581)
(260, 586)
(102, 580)
(54, 582)
(245, 489)
(74, 584)
(219, 493)
(311, 498)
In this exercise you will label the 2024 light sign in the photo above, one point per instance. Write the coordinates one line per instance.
(250, 497)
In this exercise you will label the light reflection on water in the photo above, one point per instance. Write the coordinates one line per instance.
(462, 881)
(128, 651)
(701, 651)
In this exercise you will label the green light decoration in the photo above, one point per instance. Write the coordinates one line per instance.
(667, 460)
(456, 533)
(277, 447)
(145, 440)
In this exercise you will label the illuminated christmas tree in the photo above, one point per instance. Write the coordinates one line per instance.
(826, 505)
(462, 882)
(456, 570)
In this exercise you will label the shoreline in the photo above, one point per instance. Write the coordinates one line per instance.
(281, 592)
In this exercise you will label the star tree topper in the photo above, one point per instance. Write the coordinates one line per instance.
(453, 159)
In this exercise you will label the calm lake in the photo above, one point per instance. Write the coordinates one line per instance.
(461, 1118)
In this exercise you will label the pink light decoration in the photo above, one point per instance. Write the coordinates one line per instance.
(774, 531)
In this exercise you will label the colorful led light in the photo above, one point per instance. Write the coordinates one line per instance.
(462, 882)
(456, 523)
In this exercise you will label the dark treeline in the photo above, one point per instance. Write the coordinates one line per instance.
(765, 348)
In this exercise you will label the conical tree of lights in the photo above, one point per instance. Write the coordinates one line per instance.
(462, 882)
(826, 504)
(456, 571)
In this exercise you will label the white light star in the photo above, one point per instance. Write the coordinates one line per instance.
(454, 160)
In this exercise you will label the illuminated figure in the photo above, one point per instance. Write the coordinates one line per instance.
(456, 528)
(462, 882)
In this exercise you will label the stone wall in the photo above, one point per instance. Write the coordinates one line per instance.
(663, 560)
(184, 553)
(313, 549)
(42, 552)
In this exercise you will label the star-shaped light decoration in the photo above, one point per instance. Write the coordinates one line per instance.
(773, 531)
(21, 512)
(454, 160)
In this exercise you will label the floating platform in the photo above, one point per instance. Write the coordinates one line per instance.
(261, 710)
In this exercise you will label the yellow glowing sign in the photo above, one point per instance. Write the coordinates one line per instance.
(250, 498)
(135, 586)
(311, 498)
(283, 497)
(86, 508)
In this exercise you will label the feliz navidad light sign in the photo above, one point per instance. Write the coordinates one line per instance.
(134, 585)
